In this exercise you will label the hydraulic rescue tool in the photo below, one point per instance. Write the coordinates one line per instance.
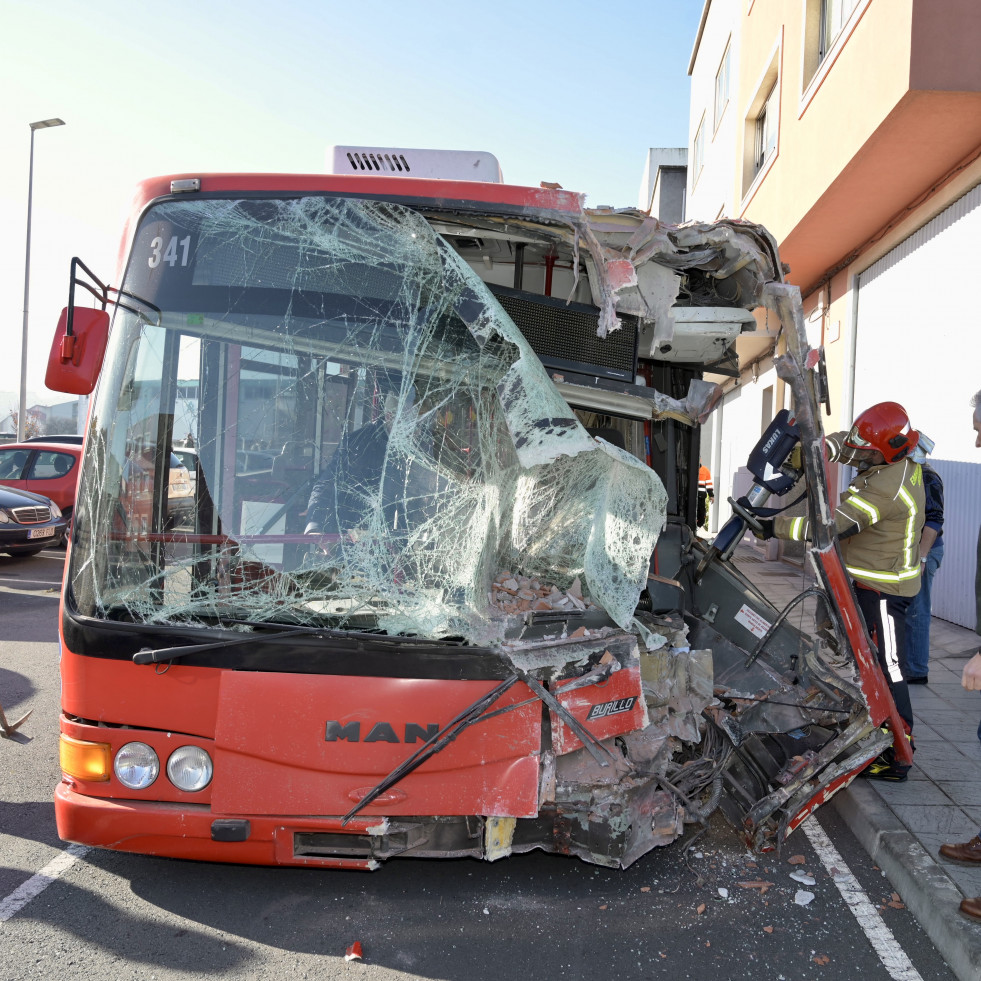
(773, 473)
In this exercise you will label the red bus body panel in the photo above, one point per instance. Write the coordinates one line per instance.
(267, 735)
(272, 757)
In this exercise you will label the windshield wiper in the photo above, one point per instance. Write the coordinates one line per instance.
(440, 741)
(161, 655)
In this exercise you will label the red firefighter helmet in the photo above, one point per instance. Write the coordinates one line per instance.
(884, 427)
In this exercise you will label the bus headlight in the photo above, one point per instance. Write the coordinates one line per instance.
(189, 768)
(136, 765)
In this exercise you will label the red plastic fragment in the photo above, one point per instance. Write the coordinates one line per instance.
(353, 953)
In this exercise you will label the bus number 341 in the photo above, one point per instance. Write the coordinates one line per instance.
(170, 255)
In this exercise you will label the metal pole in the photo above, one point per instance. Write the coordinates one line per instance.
(22, 410)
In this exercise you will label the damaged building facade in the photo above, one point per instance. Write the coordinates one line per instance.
(440, 594)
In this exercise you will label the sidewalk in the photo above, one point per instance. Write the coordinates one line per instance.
(903, 825)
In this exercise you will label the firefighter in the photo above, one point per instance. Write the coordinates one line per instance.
(878, 521)
(706, 494)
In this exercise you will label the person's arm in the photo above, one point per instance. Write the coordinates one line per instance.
(971, 676)
(323, 494)
(927, 539)
(933, 493)
(851, 517)
(834, 444)
(317, 507)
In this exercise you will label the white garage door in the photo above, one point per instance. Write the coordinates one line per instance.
(919, 344)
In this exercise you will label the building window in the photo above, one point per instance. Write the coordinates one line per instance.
(826, 25)
(766, 130)
(834, 14)
(698, 152)
(722, 87)
(761, 126)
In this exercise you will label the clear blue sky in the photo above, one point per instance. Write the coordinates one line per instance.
(570, 91)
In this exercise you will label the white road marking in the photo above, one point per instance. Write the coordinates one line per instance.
(893, 957)
(40, 881)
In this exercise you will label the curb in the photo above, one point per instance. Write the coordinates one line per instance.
(927, 891)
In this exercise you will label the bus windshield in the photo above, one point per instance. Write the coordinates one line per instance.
(369, 441)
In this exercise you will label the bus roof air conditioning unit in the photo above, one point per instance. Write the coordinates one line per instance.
(384, 161)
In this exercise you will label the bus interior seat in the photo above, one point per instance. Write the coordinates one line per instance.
(295, 461)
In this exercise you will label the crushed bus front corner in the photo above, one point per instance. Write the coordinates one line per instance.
(440, 592)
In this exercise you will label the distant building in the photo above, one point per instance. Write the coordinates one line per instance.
(664, 184)
(61, 418)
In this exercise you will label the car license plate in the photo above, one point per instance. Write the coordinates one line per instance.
(41, 532)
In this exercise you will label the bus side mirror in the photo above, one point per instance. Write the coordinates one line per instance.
(77, 351)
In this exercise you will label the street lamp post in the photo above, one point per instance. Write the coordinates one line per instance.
(22, 412)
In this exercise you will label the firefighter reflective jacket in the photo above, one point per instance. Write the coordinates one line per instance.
(705, 481)
(879, 521)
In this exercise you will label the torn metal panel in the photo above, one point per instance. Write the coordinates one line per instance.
(637, 265)
(795, 367)
(612, 707)
(678, 687)
(643, 403)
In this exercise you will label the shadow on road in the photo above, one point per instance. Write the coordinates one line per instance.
(30, 589)
(47, 566)
(15, 688)
(453, 919)
(133, 939)
(34, 820)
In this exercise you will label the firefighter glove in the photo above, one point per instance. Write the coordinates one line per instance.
(766, 529)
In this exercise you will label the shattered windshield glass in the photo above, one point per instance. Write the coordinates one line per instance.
(370, 442)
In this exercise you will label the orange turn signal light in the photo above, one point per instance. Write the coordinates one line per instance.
(84, 760)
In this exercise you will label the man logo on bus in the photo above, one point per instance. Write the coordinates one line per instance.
(616, 707)
(380, 732)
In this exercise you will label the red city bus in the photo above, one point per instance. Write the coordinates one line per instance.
(440, 593)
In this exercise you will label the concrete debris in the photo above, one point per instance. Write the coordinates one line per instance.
(803, 897)
(761, 884)
(804, 880)
(516, 594)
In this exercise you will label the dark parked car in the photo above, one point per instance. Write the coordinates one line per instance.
(29, 522)
(72, 438)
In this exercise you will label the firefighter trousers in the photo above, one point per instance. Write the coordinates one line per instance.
(885, 620)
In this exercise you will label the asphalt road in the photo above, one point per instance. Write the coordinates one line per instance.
(703, 908)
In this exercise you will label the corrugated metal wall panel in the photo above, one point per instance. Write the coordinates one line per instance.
(953, 585)
(962, 207)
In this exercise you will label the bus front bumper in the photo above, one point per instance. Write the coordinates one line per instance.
(193, 831)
